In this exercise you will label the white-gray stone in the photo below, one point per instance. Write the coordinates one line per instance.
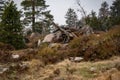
(76, 59)
(15, 56)
(48, 38)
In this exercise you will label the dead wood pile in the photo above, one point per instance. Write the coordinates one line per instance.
(65, 34)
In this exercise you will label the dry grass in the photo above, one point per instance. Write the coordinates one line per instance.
(67, 70)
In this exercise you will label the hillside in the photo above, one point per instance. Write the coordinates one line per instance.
(98, 54)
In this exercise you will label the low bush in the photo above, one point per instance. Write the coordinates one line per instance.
(97, 47)
(49, 55)
(6, 47)
(5, 52)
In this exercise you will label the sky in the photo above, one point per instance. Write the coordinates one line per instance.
(59, 7)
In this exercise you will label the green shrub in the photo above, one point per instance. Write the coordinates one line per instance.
(48, 55)
(97, 47)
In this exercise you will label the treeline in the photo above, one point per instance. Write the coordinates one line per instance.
(106, 18)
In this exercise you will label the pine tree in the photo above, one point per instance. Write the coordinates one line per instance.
(104, 10)
(35, 12)
(11, 28)
(93, 21)
(115, 12)
(71, 18)
(104, 16)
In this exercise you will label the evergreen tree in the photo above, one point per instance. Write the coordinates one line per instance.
(115, 12)
(104, 16)
(71, 18)
(35, 12)
(93, 21)
(104, 10)
(11, 28)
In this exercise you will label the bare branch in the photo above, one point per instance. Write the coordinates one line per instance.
(81, 10)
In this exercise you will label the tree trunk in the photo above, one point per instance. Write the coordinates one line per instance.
(33, 15)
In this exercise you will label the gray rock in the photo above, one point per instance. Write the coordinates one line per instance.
(48, 38)
(76, 59)
(15, 56)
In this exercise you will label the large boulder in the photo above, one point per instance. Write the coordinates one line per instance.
(49, 38)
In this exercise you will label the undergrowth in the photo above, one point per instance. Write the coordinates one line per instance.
(98, 47)
(92, 47)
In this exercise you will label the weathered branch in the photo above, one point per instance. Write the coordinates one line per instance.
(81, 8)
(82, 11)
(68, 34)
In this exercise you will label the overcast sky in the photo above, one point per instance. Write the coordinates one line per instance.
(59, 7)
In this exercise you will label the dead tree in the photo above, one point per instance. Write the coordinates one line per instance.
(68, 34)
(81, 10)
